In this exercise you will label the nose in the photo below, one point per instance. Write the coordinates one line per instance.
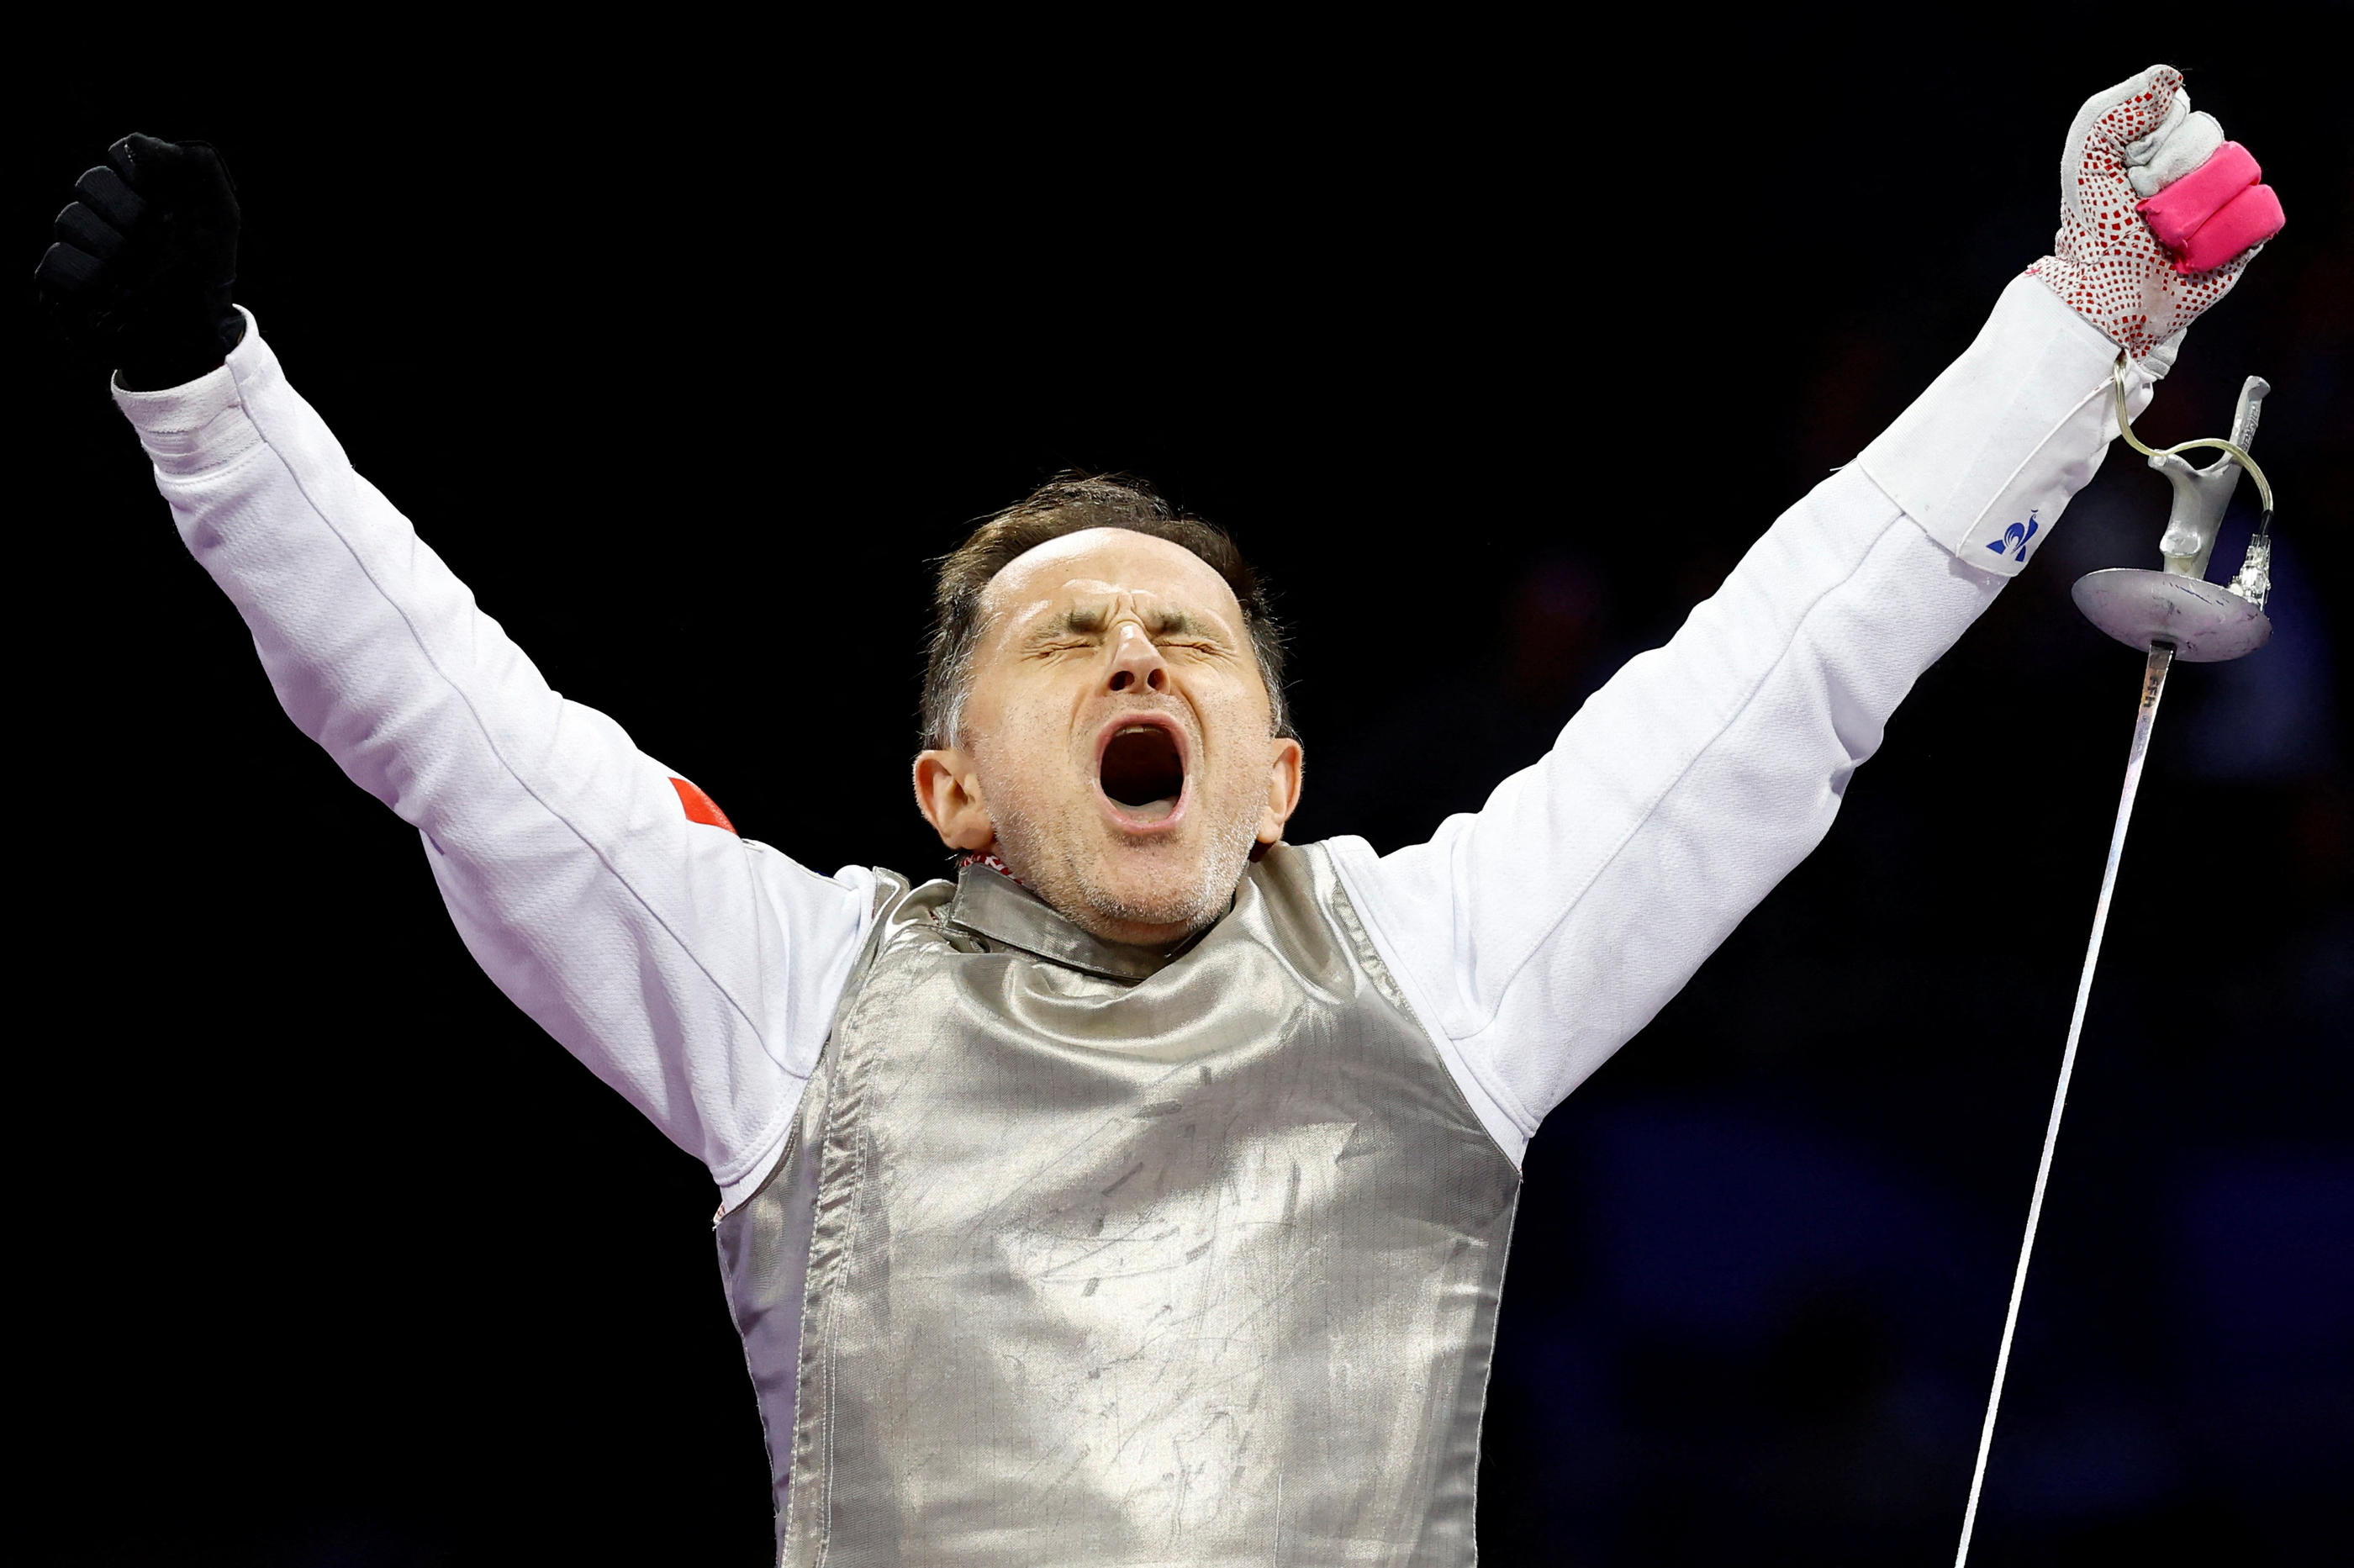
(1136, 663)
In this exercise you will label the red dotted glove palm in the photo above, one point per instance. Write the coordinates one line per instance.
(2141, 271)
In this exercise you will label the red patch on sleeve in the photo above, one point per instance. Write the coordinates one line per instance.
(700, 806)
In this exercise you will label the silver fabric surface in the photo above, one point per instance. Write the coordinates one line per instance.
(1116, 1258)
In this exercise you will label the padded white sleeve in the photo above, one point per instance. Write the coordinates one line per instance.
(691, 970)
(1538, 934)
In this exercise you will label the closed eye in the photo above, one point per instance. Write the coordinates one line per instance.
(1084, 627)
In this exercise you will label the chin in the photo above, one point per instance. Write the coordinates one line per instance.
(1144, 890)
(1155, 915)
(1163, 892)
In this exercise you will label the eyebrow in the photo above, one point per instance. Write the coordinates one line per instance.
(1088, 619)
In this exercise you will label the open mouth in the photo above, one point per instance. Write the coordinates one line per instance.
(1142, 771)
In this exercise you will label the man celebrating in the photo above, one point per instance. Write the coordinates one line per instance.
(1142, 1195)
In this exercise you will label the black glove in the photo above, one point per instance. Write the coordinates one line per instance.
(140, 272)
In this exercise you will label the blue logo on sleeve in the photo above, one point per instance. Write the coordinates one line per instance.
(2018, 534)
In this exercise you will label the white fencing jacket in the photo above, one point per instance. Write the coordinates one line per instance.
(696, 971)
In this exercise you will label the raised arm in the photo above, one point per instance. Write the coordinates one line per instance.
(1537, 935)
(691, 970)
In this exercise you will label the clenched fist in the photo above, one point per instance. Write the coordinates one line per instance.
(2157, 213)
(141, 270)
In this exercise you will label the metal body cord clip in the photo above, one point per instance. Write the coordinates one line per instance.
(2176, 605)
(2125, 429)
(2254, 580)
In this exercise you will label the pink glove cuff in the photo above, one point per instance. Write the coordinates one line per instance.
(2248, 219)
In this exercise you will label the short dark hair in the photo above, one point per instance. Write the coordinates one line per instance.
(1067, 504)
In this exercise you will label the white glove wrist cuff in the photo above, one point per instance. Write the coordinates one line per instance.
(1985, 460)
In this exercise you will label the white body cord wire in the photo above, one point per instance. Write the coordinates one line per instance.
(2153, 685)
(2125, 429)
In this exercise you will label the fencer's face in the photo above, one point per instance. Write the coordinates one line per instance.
(1116, 745)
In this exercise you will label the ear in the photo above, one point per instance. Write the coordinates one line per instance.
(1284, 768)
(948, 794)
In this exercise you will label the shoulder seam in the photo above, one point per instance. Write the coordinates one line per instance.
(1450, 1051)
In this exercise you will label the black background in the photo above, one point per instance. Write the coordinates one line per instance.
(1495, 346)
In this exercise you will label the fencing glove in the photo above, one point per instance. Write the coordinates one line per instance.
(142, 267)
(2157, 213)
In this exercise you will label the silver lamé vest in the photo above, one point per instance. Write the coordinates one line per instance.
(1089, 1255)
